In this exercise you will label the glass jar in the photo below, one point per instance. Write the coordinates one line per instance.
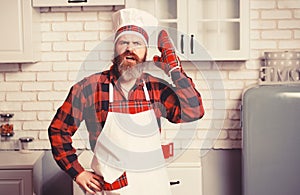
(24, 144)
(6, 129)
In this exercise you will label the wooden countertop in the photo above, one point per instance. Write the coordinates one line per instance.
(18, 160)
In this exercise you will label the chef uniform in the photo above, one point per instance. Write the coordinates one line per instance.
(130, 139)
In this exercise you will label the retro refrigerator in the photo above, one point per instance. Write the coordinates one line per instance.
(271, 140)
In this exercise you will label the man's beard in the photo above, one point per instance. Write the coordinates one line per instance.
(129, 70)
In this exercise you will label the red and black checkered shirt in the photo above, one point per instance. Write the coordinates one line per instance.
(88, 100)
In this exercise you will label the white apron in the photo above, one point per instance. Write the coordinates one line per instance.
(131, 142)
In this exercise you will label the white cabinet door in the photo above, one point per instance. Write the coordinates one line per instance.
(190, 180)
(203, 29)
(220, 27)
(19, 35)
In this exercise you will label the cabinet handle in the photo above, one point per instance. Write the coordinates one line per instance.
(77, 1)
(181, 44)
(174, 182)
(192, 44)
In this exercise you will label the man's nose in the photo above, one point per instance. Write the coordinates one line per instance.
(130, 47)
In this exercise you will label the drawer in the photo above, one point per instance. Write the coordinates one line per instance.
(190, 180)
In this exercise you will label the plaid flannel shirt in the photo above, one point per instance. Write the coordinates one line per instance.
(89, 100)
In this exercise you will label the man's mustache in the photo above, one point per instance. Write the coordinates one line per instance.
(131, 55)
(120, 64)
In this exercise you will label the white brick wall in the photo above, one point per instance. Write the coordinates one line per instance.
(70, 35)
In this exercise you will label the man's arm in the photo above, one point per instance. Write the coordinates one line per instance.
(183, 103)
(61, 129)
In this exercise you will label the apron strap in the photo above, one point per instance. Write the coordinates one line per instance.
(111, 92)
(146, 92)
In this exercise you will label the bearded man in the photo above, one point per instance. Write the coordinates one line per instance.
(122, 108)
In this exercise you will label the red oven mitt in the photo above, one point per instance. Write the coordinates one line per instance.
(168, 60)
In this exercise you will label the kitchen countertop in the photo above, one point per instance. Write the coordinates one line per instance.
(18, 160)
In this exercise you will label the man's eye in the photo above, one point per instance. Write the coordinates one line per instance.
(123, 43)
(137, 43)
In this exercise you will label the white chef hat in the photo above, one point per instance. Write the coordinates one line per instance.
(133, 21)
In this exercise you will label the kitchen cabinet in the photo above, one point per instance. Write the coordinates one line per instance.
(20, 173)
(55, 3)
(16, 182)
(20, 32)
(203, 29)
(186, 169)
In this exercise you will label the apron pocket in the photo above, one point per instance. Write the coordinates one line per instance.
(110, 168)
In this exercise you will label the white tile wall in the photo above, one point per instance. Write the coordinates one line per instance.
(70, 36)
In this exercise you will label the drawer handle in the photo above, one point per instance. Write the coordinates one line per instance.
(77, 1)
(192, 44)
(174, 183)
(181, 44)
